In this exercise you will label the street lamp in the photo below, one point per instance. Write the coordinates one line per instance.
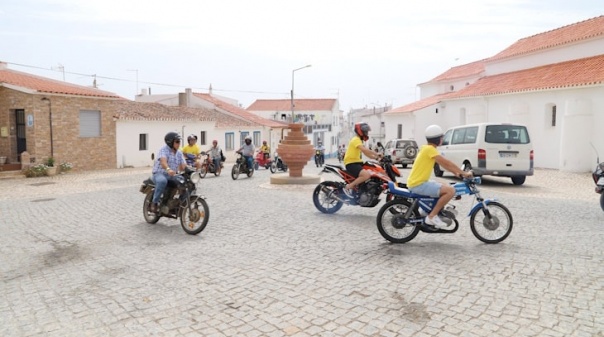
(52, 154)
(292, 93)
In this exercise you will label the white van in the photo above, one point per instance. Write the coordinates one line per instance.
(489, 149)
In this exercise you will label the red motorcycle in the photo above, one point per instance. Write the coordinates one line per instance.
(329, 196)
(207, 165)
(262, 160)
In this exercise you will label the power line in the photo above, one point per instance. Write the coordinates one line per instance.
(95, 76)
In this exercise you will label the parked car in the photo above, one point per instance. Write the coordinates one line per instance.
(402, 151)
(496, 149)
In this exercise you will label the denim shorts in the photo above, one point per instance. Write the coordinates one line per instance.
(429, 188)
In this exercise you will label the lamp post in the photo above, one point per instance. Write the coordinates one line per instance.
(52, 154)
(292, 93)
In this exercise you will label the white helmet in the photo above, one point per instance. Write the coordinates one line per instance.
(433, 131)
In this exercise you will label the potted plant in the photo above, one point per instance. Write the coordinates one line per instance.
(65, 167)
(36, 171)
(51, 169)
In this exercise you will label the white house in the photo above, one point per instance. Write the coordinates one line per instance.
(322, 118)
(372, 116)
(552, 82)
(258, 128)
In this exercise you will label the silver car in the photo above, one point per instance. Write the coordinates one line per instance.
(402, 151)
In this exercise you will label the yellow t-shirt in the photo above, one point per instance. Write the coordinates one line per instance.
(194, 150)
(353, 153)
(265, 148)
(423, 166)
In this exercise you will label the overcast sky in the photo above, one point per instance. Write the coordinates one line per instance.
(366, 53)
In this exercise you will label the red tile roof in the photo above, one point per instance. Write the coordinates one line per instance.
(576, 73)
(248, 116)
(465, 70)
(564, 35)
(308, 104)
(422, 103)
(49, 86)
(128, 110)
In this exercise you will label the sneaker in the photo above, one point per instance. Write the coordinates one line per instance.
(153, 207)
(348, 193)
(436, 222)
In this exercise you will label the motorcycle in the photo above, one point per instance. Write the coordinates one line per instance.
(319, 158)
(598, 177)
(278, 164)
(401, 219)
(207, 166)
(262, 161)
(340, 156)
(241, 166)
(329, 196)
(179, 201)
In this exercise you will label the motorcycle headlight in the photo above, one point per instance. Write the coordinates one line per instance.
(195, 177)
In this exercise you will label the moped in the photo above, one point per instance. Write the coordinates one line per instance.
(207, 165)
(401, 219)
(598, 177)
(241, 166)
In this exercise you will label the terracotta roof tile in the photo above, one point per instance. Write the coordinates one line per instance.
(241, 112)
(422, 103)
(568, 34)
(45, 85)
(308, 104)
(128, 110)
(465, 70)
(582, 72)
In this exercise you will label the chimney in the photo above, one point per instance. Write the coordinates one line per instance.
(189, 93)
(182, 99)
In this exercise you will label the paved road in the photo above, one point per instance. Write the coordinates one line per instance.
(77, 259)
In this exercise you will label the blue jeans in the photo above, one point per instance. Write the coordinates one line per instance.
(161, 181)
(216, 163)
(250, 162)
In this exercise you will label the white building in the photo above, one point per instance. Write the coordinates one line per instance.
(552, 82)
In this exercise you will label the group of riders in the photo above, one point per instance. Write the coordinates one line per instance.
(171, 159)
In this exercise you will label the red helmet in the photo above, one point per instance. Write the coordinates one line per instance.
(362, 130)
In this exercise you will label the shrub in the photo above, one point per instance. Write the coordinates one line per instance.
(66, 167)
(50, 162)
(35, 171)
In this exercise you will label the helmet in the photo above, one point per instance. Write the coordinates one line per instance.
(264, 142)
(215, 141)
(248, 139)
(433, 131)
(362, 130)
(191, 136)
(171, 137)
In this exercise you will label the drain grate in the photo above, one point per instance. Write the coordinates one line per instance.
(40, 200)
(42, 184)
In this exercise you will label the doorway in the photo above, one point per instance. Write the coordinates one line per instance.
(20, 127)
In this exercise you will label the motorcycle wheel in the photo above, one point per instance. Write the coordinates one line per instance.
(235, 172)
(217, 171)
(150, 217)
(284, 168)
(250, 173)
(324, 197)
(194, 218)
(392, 222)
(273, 167)
(602, 201)
(493, 224)
(203, 171)
(256, 166)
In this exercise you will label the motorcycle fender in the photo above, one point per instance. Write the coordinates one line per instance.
(478, 206)
(145, 188)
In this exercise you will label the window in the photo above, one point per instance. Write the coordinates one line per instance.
(142, 142)
(256, 139)
(242, 136)
(470, 137)
(458, 136)
(229, 141)
(399, 131)
(506, 134)
(553, 112)
(447, 137)
(202, 138)
(90, 123)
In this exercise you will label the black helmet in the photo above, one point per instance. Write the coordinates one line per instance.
(191, 136)
(362, 130)
(170, 138)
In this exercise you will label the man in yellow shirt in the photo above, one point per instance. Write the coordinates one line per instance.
(192, 152)
(353, 158)
(265, 149)
(419, 178)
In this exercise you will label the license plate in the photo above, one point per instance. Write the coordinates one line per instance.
(508, 155)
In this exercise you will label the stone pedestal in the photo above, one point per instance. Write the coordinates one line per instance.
(295, 150)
